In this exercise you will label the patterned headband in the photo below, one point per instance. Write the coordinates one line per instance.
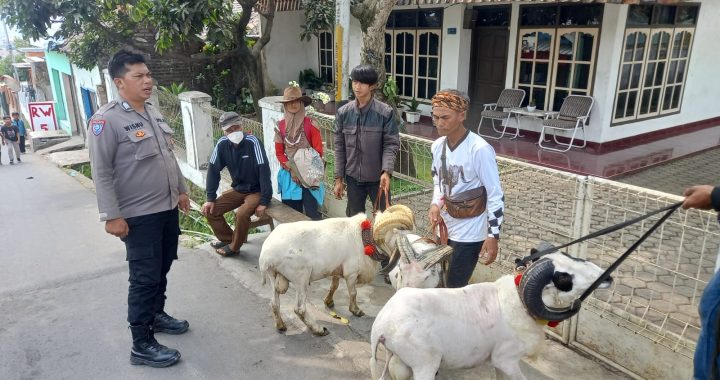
(451, 100)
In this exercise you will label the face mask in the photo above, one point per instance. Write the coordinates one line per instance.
(236, 137)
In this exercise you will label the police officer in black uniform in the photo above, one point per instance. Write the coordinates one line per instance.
(139, 189)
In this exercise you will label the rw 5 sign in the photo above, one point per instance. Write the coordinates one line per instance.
(42, 116)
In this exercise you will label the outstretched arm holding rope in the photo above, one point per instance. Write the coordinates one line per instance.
(707, 352)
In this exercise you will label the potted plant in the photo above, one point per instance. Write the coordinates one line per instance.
(309, 81)
(412, 114)
(392, 98)
(531, 106)
(320, 99)
(390, 91)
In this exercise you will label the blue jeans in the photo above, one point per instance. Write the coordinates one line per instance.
(707, 360)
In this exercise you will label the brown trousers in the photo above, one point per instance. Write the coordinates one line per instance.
(246, 203)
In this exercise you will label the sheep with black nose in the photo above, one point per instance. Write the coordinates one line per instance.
(424, 330)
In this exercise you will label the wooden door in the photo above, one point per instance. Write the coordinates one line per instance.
(488, 65)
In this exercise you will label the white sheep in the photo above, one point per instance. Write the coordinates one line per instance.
(427, 329)
(307, 251)
(408, 270)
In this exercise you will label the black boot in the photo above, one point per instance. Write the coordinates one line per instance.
(167, 324)
(146, 350)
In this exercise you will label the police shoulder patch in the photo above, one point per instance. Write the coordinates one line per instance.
(97, 126)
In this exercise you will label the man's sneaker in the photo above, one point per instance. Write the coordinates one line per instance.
(167, 324)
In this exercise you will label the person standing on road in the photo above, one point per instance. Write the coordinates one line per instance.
(707, 351)
(296, 134)
(245, 158)
(21, 127)
(11, 138)
(367, 140)
(464, 170)
(139, 189)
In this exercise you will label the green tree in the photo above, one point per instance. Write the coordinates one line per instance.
(6, 67)
(373, 16)
(96, 28)
(319, 16)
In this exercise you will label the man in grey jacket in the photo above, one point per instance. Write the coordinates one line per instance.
(366, 144)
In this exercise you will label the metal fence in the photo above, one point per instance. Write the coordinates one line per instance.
(250, 126)
(170, 109)
(656, 291)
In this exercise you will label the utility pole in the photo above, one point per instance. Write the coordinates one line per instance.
(11, 48)
(342, 53)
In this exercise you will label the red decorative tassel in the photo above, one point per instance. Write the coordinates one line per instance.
(517, 279)
(369, 250)
(553, 323)
(365, 225)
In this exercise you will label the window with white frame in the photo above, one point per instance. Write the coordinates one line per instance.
(412, 51)
(325, 56)
(655, 55)
(556, 52)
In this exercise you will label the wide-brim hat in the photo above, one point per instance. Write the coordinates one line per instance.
(292, 94)
(228, 119)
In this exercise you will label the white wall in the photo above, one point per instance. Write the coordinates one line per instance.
(112, 91)
(607, 69)
(88, 79)
(355, 45)
(701, 94)
(456, 49)
(286, 55)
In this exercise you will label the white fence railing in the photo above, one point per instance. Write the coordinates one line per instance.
(647, 323)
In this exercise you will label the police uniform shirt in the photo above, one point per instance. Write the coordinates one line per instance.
(133, 166)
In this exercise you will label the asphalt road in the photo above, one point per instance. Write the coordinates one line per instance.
(63, 299)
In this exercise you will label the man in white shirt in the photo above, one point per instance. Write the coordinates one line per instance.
(463, 164)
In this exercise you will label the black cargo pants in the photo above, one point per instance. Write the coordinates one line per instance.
(151, 247)
(357, 194)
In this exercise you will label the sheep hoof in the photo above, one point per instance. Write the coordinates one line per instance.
(281, 329)
(330, 303)
(358, 313)
(324, 332)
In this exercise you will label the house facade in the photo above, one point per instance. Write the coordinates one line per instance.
(648, 65)
(64, 92)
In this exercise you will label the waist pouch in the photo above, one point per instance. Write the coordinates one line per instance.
(467, 204)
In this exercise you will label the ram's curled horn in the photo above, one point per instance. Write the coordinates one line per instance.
(396, 216)
(533, 281)
(403, 247)
(392, 263)
(405, 210)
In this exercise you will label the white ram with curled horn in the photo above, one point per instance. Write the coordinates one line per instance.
(307, 251)
(415, 261)
(424, 330)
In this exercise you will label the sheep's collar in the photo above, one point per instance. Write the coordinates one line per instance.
(518, 278)
(370, 248)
